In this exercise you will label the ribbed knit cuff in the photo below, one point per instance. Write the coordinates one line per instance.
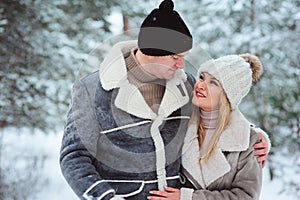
(186, 193)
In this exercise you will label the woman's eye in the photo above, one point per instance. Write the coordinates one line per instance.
(201, 77)
(215, 83)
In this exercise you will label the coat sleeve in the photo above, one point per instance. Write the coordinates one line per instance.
(79, 147)
(246, 183)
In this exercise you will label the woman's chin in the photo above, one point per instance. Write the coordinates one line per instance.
(195, 101)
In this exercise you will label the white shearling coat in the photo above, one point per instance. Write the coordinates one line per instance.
(231, 173)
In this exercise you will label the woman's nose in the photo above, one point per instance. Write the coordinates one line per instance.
(200, 85)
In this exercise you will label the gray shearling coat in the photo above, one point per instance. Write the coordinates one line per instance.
(114, 145)
(232, 173)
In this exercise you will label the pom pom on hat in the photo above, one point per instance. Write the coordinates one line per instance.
(255, 65)
(163, 32)
(236, 74)
(167, 4)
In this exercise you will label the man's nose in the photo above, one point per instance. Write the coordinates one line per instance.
(180, 63)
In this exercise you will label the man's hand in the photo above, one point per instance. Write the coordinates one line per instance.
(261, 150)
(170, 194)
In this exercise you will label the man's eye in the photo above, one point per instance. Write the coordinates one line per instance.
(201, 77)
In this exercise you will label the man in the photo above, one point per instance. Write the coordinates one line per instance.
(127, 121)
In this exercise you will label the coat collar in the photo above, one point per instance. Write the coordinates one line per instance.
(113, 75)
(235, 137)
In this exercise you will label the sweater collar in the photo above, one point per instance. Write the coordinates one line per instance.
(138, 72)
(113, 75)
(209, 118)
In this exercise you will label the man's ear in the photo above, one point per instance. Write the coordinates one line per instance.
(149, 57)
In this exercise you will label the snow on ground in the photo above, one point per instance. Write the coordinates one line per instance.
(20, 141)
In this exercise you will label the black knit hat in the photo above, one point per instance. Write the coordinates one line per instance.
(163, 32)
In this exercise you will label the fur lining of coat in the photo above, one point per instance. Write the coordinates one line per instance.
(113, 74)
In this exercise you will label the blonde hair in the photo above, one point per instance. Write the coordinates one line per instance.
(223, 119)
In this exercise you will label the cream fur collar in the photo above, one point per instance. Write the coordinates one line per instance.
(236, 137)
(113, 74)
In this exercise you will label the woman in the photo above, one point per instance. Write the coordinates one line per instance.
(218, 159)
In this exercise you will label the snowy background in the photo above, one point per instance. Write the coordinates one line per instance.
(46, 45)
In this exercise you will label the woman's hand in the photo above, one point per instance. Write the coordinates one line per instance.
(169, 193)
(261, 150)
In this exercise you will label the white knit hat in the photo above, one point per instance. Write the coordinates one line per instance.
(236, 73)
